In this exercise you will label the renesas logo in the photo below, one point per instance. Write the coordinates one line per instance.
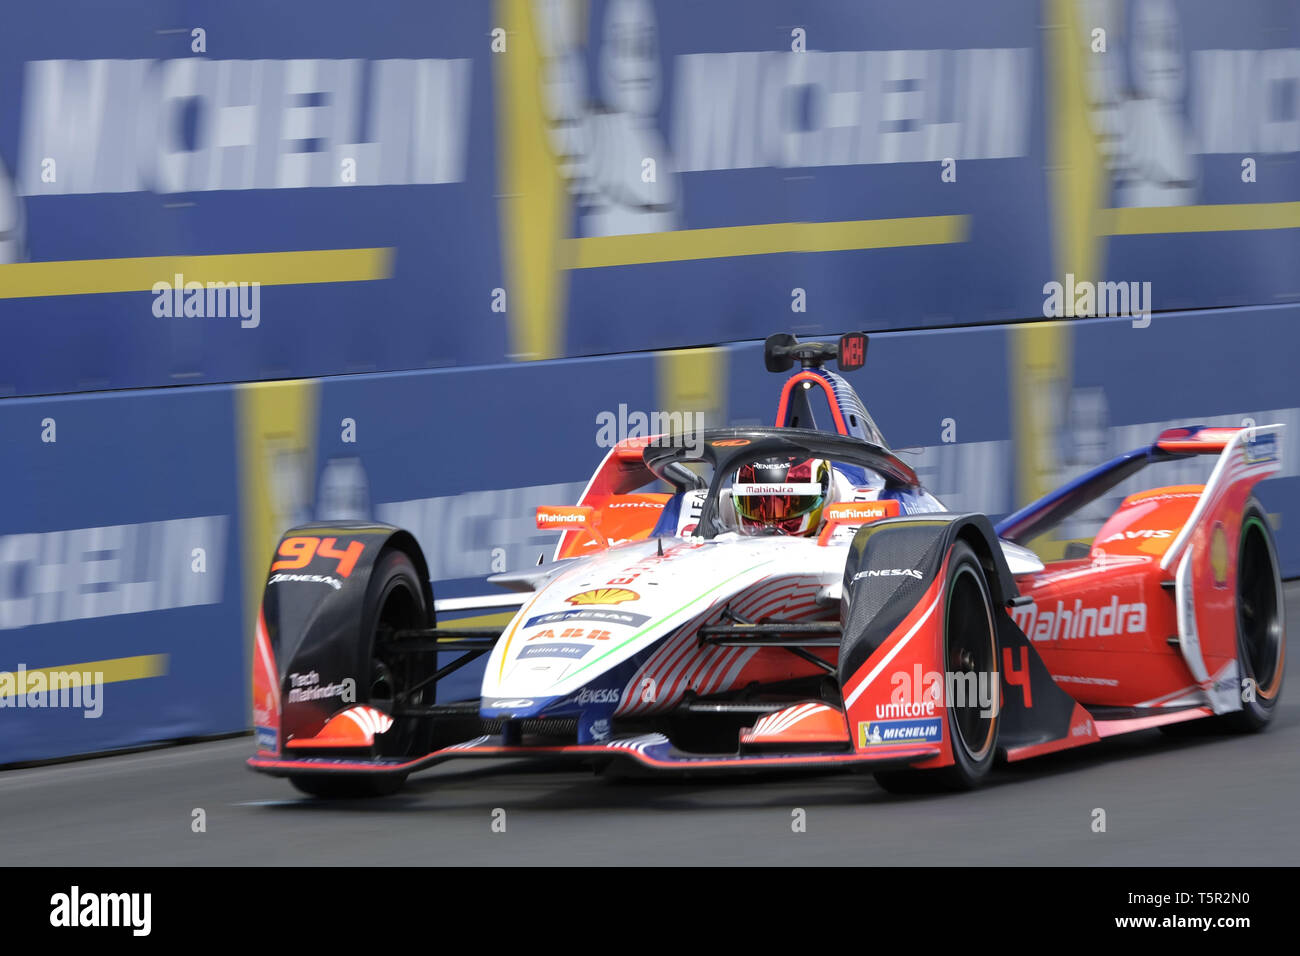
(599, 695)
(626, 618)
(1064, 623)
(889, 573)
(281, 578)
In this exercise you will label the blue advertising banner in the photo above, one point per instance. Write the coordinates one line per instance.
(336, 170)
(465, 183)
(119, 571)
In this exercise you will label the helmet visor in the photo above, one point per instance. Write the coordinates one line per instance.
(776, 502)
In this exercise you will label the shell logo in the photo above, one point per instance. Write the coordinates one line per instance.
(1219, 556)
(604, 596)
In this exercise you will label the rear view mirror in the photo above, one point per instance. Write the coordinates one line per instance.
(777, 354)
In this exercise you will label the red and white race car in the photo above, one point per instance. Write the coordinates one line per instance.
(745, 598)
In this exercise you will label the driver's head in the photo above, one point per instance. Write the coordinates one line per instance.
(783, 494)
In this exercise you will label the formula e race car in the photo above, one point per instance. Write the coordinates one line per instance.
(752, 598)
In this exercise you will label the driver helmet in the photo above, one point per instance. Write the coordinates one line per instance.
(785, 495)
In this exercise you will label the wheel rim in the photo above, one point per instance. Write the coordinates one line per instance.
(390, 672)
(971, 649)
(1259, 621)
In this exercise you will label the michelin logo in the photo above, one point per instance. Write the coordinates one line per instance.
(257, 124)
(730, 109)
(72, 575)
(879, 733)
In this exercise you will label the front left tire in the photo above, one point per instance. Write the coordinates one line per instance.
(970, 657)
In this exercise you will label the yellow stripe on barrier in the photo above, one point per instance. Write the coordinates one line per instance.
(693, 381)
(97, 276)
(599, 252)
(1224, 217)
(276, 445)
(111, 671)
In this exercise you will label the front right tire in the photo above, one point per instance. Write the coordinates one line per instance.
(394, 600)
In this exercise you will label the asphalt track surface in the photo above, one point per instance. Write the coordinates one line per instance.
(1211, 800)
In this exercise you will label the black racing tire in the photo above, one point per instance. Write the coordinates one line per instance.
(348, 786)
(1261, 625)
(1261, 634)
(970, 647)
(394, 600)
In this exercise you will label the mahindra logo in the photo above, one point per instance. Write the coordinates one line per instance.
(1065, 622)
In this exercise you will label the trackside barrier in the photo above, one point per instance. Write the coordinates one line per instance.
(136, 526)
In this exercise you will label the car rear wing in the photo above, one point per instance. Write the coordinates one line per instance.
(1248, 455)
(1257, 442)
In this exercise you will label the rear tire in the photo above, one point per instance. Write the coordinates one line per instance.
(970, 647)
(1261, 634)
(394, 600)
(1261, 625)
